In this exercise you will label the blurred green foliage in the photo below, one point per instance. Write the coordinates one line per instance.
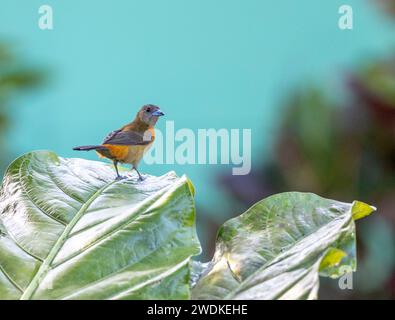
(15, 77)
(379, 79)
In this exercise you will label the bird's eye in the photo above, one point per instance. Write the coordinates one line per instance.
(148, 110)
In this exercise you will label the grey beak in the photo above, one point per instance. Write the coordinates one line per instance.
(158, 113)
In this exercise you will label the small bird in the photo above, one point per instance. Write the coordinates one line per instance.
(128, 144)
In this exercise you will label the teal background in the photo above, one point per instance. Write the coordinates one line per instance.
(219, 64)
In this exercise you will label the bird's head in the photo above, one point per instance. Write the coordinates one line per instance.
(149, 114)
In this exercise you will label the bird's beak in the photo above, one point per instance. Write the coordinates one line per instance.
(158, 113)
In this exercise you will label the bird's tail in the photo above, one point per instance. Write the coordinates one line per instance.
(88, 148)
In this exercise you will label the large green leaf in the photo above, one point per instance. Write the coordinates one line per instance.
(69, 231)
(278, 248)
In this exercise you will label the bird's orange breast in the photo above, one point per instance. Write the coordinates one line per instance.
(117, 152)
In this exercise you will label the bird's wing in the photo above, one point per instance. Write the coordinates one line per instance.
(128, 138)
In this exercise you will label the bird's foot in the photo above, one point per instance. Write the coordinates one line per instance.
(132, 176)
(141, 178)
(118, 178)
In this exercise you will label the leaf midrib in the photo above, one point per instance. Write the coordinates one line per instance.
(46, 265)
(138, 211)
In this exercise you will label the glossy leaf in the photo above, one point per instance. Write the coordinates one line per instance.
(278, 248)
(69, 231)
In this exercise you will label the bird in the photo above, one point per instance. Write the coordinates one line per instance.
(129, 143)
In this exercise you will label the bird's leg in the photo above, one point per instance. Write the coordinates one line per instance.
(140, 176)
(118, 177)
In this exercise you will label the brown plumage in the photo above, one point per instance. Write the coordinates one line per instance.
(128, 144)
